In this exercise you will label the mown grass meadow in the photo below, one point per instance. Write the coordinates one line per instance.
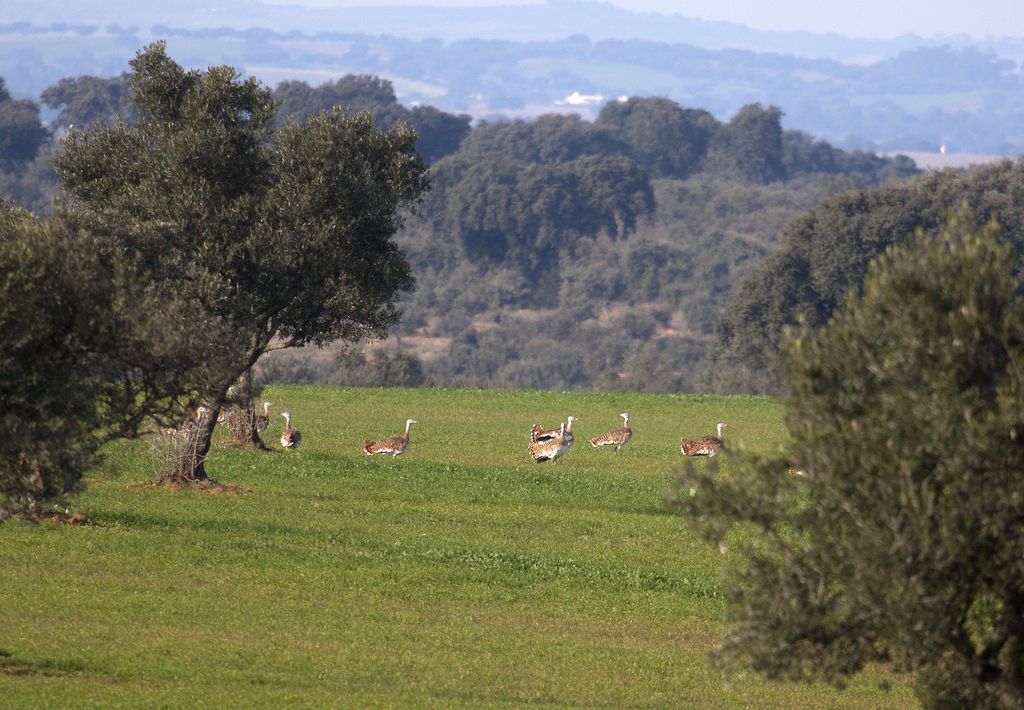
(459, 575)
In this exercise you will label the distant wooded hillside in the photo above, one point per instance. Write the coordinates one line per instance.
(824, 255)
(911, 94)
(562, 253)
(558, 252)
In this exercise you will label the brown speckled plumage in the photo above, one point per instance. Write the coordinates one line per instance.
(539, 433)
(616, 437)
(290, 438)
(549, 448)
(263, 420)
(704, 446)
(392, 446)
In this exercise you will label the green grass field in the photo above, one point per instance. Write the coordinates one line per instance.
(459, 575)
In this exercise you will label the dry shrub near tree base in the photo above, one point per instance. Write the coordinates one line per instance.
(175, 452)
(243, 423)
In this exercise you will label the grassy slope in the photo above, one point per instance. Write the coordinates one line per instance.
(460, 574)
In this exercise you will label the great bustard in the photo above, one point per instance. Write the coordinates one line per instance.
(263, 420)
(393, 445)
(290, 438)
(539, 433)
(704, 446)
(550, 446)
(616, 437)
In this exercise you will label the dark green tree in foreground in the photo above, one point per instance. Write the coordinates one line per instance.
(902, 543)
(283, 233)
(88, 353)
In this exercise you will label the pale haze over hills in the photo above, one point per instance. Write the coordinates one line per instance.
(866, 18)
(886, 76)
(874, 19)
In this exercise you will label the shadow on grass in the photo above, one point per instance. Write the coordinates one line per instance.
(11, 665)
(149, 521)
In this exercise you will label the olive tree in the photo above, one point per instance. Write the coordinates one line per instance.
(284, 233)
(902, 540)
(89, 352)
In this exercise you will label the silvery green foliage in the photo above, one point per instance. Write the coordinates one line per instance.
(283, 233)
(902, 542)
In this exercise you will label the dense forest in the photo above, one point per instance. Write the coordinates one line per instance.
(824, 255)
(553, 253)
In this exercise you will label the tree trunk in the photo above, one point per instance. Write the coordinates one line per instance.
(244, 426)
(244, 419)
(183, 450)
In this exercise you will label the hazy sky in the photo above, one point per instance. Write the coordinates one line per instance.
(860, 18)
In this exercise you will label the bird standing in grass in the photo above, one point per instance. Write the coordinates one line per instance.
(548, 448)
(568, 432)
(263, 420)
(616, 437)
(290, 438)
(393, 445)
(539, 433)
(704, 446)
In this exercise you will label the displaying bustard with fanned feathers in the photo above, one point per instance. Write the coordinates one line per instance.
(393, 445)
(548, 445)
(704, 446)
(616, 437)
(290, 438)
(539, 433)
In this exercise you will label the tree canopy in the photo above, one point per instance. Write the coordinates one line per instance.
(825, 253)
(89, 351)
(439, 133)
(284, 233)
(552, 138)
(900, 542)
(505, 210)
(665, 138)
(89, 99)
(21, 131)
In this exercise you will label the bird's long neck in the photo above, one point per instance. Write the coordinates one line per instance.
(408, 428)
(567, 428)
(625, 421)
(287, 421)
(720, 428)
